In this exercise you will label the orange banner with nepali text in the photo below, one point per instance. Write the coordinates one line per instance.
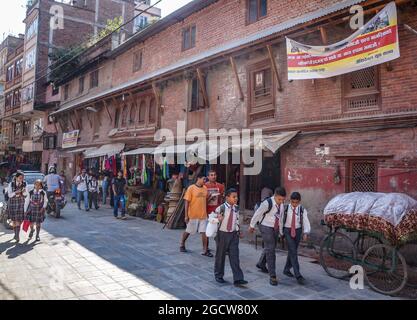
(374, 43)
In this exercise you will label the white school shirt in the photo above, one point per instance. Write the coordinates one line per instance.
(82, 186)
(11, 194)
(306, 222)
(27, 200)
(226, 215)
(269, 220)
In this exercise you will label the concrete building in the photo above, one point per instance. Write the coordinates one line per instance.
(201, 65)
(145, 14)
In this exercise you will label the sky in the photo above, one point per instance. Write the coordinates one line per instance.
(12, 13)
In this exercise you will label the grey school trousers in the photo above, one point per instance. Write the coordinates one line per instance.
(292, 258)
(227, 242)
(267, 258)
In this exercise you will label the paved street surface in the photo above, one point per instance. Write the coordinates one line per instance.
(90, 255)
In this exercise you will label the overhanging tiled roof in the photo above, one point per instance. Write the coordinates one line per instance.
(215, 51)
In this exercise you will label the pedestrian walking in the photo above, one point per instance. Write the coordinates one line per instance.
(227, 239)
(17, 192)
(74, 188)
(82, 189)
(35, 206)
(196, 213)
(119, 185)
(295, 225)
(105, 187)
(267, 217)
(215, 194)
(93, 192)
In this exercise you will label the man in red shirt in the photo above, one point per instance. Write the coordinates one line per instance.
(215, 193)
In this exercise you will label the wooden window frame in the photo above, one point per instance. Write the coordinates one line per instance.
(350, 161)
(94, 79)
(137, 60)
(81, 84)
(251, 70)
(258, 18)
(348, 94)
(192, 44)
(66, 92)
(199, 95)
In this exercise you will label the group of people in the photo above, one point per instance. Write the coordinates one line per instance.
(30, 205)
(90, 186)
(274, 218)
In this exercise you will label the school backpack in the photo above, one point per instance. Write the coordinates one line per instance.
(301, 215)
(269, 200)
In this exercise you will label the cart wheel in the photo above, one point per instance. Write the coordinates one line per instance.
(385, 269)
(337, 255)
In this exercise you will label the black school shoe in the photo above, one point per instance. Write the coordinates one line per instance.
(273, 281)
(262, 268)
(301, 280)
(288, 274)
(220, 280)
(240, 283)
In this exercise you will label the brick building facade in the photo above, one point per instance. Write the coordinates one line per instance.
(347, 140)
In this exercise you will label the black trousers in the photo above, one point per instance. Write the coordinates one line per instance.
(93, 199)
(227, 242)
(292, 258)
(268, 257)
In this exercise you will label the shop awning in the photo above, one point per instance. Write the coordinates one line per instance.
(105, 150)
(270, 142)
(80, 150)
(139, 151)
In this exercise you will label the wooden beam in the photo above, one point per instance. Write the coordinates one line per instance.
(156, 94)
(89, 119)
(77, 117)
(323, 34)
(97, 117)
(233, 63)
(56, 128)
(274, 66)
(203, 87)
(72, 122)
(107, 110)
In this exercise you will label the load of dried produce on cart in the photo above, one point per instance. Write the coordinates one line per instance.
(392, 215)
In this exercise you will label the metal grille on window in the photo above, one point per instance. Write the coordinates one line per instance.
(363, 176)
(362, 89)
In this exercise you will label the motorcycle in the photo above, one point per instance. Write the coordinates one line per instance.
(3, 216)
(56, 202)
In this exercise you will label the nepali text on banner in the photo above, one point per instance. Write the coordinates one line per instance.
(375, 43)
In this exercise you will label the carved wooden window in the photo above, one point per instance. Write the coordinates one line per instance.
(362, 175)
(81, 85)
(142, 112)
(125, 112)
(132, 116)
(361, 90)
(152, 111)
(94, 79)
(261, 92)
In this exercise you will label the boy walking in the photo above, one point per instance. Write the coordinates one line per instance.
(196, 213)
(268, 217)
(227, 239)
(93, 192)
(295, 224)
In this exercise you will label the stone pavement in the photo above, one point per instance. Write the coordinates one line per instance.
(90, 255)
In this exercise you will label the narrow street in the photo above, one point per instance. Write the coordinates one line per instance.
(90, 255)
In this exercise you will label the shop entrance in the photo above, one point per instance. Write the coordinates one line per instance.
(269, 177)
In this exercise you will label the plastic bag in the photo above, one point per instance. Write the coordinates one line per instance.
(212, 225)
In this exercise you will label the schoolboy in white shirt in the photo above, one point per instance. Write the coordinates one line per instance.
(294, 226)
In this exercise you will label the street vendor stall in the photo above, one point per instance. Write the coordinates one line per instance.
(368, 229)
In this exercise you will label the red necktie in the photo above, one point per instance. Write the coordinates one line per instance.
(230, 221)
(294, 216)
(276, 224)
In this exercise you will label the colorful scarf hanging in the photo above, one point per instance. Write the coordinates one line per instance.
(144, 175)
